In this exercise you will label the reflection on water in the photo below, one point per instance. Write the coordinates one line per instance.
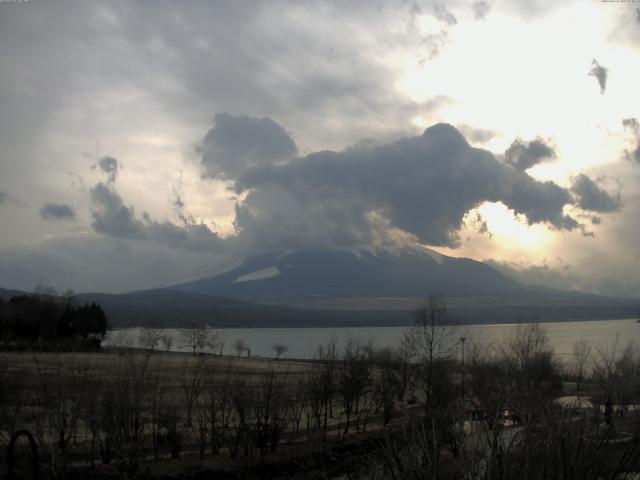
(303, 342)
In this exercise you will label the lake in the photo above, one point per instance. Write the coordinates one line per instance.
(303, 342)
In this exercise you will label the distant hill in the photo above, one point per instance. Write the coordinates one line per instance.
(171, 308)
(6, 294)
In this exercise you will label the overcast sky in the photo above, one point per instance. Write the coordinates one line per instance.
(144, 143)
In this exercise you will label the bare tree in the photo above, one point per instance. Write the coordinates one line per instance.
(529, 357)
(149, 339)
(617, 372)
(279, 349)
(579, 360)
(192, 385)
(354, 377)
(167, 342)
(218, 405)
(60, 399)
(433, 343)
(324, 386)
(216, 342)
(239, 346)
(194, 337)
(299, 395)
(269, 409)
(390, 375)
(431, 339)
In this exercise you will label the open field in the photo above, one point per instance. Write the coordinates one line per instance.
(122, 411)
(511, 411)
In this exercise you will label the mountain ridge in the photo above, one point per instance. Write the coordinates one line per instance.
(315, 278)
(350, 287)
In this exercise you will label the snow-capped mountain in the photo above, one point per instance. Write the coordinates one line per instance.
(319, 277)
(350, 288)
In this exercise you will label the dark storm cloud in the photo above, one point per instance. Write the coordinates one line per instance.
(591, 197)
(144, 58)
(633, 126)
(57, 211)
(236, 144)
(341, 79)
(113, 218)
(524, 155)
(422, 186)
(600, 73)
(193, 236)
(109, 165)
(481, 9)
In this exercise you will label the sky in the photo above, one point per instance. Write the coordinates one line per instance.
(146, 143)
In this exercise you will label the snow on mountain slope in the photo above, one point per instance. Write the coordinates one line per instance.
(294, 276)
(263, 274)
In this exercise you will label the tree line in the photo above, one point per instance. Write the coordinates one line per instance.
(45, 321)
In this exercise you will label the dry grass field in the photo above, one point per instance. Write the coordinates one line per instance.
(120, 412)
(357, 414)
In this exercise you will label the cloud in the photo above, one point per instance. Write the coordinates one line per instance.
(566, 277)
(624, 29)
(591, 197)
(113, 218)
(416, 188)
(559, 276)
(476, 135)
(92, 262)
(149, 91)
(109, 165)
(7, 198)
(481, 9)
(632, 125)
(236, 144)
(524, 155)
(440, 12)
(57, 211)
(192, 236)
(601, 74)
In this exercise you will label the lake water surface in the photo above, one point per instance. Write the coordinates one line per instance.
(303, 342)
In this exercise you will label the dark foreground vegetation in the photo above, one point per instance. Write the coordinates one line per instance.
(435, 407)
(46, 321)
